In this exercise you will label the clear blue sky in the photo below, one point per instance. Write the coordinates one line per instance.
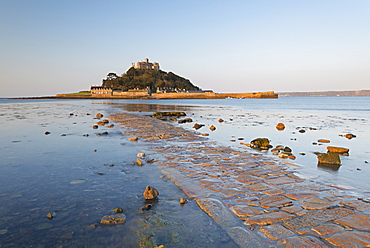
(50, 47)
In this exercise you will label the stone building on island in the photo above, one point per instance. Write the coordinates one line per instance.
(146, 65)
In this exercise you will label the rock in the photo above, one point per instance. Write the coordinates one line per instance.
(118, 210)
(329, 158)
(177, 114)
(50, 215)
(283, 155)
(340, 150)
(220, 120)
(302, 131)
(47, 132)
(183, 200)
(350, 136)
(110, 126)
(280, 126)
(185, 120)
(146, 207)
(140, 155)
(133, 139)
(100, 123)
(105, 121)
(86, 135)
(198, 126)
(64, 134)
(287, 149)
(261, 143)
(113, 220)
(99, 115)
(95, 127)
(150, 193)
(212, 128)
(205, 134)
(323, 141)
(138, 161)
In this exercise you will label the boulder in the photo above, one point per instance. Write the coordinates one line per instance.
(150, 193)
(185, 120)
(198, 126)
(340, 150)
(261, 143)
(329, 158)
(280, 126)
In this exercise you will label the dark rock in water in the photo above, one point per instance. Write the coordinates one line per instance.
(287, 149)
(350, 136)
(329, 158)
(212, 128)
(340, 150)
(133, 139)
(110, 126)
(198, 126)
(105, 121)
(64, 134)
(50, 215)
(177, 114)
(118, 210)
(220, 120)
(86, 135)
(150, 193)
(47, 133)
(323, 141)
(99, 115)
(104, 133)
(185, 120)
(113, 220)
(95, 127)
(302, 131)
(261, 143)
(280, 126)
(146, 207)
(183, 200)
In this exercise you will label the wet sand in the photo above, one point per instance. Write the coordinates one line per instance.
(259, 202)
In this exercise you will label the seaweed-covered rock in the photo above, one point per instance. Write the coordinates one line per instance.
(261, 143)
(113, 220)
(150, 193)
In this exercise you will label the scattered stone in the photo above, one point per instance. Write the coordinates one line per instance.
(110, 126)
(100, 123)
(47, 133)
(95, 127)
(50, 215)
(185, 120)
(220, 120)
(198, 126)
(118, 210)
(350, 136)
(150, 193)
(138, 162)
(302, 153)
(111, 165)
(99, 115)
(302, 131)
(205, 134)
(287, 149)
(64, 134)
(280, 126)
(133, 139)
(113, 220)
(183, 200)
(329, 158)
(261, 143)
(105, 121)
(95, 150)
(86, 135)
(340, 150)
(140, 155)
(146, 207)
(212, 128)
(323, 141)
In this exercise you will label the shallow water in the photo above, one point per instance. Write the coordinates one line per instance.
(80, 179)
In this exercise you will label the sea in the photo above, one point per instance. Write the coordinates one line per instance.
(53, 162)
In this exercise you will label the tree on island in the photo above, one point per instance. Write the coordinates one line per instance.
(143, 79)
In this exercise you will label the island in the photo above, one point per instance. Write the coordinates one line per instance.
(145, 80)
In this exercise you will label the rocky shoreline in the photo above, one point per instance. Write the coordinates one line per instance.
(258, 201)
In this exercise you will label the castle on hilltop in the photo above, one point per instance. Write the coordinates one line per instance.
(146, 65)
